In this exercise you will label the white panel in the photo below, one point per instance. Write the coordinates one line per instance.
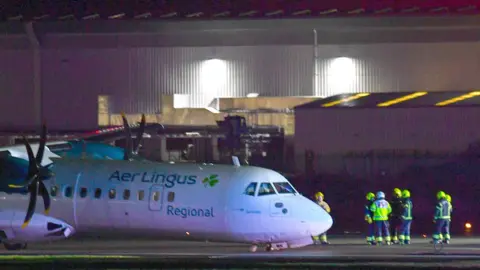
(16, 89)
(400, 67)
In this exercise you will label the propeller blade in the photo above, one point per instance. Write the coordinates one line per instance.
(140, 132)
(32, 165)
(41, 146)
(31, 204)
(29, 180)
(42, 190)
(128, 139)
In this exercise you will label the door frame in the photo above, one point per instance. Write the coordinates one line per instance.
(152, 205)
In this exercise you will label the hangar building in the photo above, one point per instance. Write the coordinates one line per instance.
(71, 66)
(398, 129)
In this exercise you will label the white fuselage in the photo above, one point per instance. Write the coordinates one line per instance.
(185, 201)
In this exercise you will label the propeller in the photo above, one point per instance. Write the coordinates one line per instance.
(132, 146)
(35, 177)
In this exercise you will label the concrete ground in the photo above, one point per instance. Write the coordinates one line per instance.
(462, 252)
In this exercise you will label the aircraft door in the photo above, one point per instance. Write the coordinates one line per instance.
(155, 200)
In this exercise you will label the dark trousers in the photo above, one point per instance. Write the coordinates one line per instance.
(370, 232)
(382, 229)
(404, 235)
(395, 226)
(442, 229)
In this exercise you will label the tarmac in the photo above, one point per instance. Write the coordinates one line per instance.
(348, 251)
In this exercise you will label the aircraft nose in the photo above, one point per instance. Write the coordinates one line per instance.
(319, 221)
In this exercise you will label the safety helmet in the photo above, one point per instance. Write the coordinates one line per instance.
(448, 198)
(406, 193)
(397, 192)
(380, 195)
(318, 194)
(370, 196)
(440, 195)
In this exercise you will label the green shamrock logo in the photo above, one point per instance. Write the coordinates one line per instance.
(211, 180)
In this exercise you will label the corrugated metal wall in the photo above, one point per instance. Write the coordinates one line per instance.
(137, 77)
(399, 67)
(16, 89)
(335, 133)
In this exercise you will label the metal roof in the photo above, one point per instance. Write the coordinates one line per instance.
(208, 9)
(140, 33)
(396, 100)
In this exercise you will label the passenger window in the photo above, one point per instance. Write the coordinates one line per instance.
(266, 189)
(141, 195)
(112, 193)
(156, 196)
(83, 192)
(250, 190)
(98, 193)
(126, 194)
(171, 196)
(284, 187)
(53, 191)
(68, 192)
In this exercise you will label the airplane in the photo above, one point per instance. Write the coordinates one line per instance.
(232, 203)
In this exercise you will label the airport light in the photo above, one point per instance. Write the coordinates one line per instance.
(342, 73)
(468, 225)
(252, 95)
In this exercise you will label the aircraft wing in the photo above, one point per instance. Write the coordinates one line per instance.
(114, 133)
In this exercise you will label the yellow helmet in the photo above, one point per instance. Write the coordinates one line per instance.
(370, 196)
(319, 194)
(440, 195)
(406, 193)
(448, 198)
(397, 192)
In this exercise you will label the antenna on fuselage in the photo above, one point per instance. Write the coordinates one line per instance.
(236, 161)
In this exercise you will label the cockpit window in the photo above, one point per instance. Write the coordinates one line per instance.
(266, 189)
(284, 188)
(250, 190)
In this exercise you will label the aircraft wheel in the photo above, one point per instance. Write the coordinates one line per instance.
(268, 247)
(16, 246)
(253, 248)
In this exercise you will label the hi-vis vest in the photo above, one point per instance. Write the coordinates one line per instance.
(443, 210)
(380, 210)
(407, 209)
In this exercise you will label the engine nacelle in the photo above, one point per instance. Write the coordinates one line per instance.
(41, 228)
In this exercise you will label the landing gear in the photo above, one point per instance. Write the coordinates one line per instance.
(268, 247)
(16, 246)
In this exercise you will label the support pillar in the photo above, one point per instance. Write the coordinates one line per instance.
(163, 149)
(37, 73)
(215, 152)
